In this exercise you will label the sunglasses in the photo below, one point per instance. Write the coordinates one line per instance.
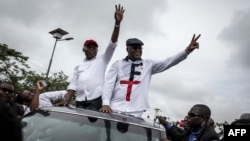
(194, 115)
(9, 91)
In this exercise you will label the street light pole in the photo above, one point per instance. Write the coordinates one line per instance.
(57, 34)
(47, 74)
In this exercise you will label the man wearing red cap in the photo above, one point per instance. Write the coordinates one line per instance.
(89, 76)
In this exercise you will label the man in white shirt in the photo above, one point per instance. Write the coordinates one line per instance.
(31, 99)
(46, 99)
(127, 81)
(88, 77)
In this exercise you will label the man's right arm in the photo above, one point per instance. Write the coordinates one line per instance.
(68, 97)
(72, 86)
(35, 100)
(108, 88)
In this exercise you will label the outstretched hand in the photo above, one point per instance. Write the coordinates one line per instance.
(193, 44)
(118, 13)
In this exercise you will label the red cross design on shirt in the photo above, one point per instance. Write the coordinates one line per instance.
(129, 89)
(131, 81)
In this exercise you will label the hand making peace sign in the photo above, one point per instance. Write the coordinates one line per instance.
(193, 44)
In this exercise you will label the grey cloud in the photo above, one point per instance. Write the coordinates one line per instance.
(20, 20)
(237, 34)
(24, 25)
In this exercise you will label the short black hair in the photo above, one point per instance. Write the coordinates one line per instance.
(241, 122)
(204, 110)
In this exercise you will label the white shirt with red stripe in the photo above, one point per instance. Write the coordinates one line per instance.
(127, 82)
(89, 76)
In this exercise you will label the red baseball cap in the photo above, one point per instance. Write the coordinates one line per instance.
(88, 42)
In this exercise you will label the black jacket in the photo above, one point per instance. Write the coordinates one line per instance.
(207, 134)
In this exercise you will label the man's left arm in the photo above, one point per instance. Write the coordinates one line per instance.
(159, 66)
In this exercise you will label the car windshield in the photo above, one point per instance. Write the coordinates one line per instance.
(56, 126)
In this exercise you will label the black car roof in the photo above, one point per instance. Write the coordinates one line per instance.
(118, 117)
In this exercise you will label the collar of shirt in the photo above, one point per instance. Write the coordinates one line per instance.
(85, 60)
(127, 59)
(193, 135)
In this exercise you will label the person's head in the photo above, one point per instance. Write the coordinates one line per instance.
(90, 48)
(6, 91)
(245, 116)
(134, 48)
(184, 123)
(198, 116)
(25, 97)
(241, 122)
(32, 89)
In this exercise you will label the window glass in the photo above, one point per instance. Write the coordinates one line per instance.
(55, 126)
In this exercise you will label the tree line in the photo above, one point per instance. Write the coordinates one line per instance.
(15, 69)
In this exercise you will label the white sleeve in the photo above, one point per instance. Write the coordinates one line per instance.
(46, 98)
(73, 83)
(159, 66)
(109, 51)
(109, 84)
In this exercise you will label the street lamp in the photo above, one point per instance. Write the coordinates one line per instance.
(57, 34)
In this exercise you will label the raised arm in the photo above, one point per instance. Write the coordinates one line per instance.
(118, 18)
(35, 101)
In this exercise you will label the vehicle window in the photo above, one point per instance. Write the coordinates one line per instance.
(67, 127)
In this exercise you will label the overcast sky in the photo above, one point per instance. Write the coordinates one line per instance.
(216, 75)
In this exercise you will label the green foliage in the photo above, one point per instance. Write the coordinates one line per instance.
(14, 68)
(57, 82)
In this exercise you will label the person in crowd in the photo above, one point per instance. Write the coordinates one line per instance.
(197, 120)
(243, 120)
(10, 125)
(245, 116)
(25, 97)
(127, 81)
(33, 98)
(7, 95)
(183, 125)
(46, 99)
(88, 77)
